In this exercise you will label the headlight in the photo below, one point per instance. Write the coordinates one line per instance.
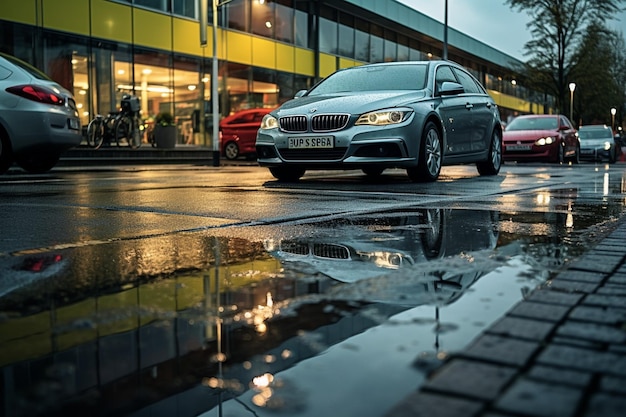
(269, 122)
(607, 146)
(382, 118)
(544, 141)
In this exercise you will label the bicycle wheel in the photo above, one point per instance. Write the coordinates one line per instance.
(95, 133)
(121, 129)
(134, 136)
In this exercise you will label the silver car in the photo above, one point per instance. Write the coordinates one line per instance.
(38, 117)
(597, 142)
(416, 116)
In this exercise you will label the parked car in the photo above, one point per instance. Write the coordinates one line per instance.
(416, 116)
(597, 143)
(38, 118)
(238, 132)
(544, 137)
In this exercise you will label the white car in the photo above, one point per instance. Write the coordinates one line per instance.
(38, 117)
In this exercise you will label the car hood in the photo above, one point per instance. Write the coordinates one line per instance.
(513, 135)
(348, 102)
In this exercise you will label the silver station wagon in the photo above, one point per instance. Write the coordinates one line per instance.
(417, 116)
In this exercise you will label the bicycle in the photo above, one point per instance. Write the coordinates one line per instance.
(117, 126)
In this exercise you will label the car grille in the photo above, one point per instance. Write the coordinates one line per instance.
(318, 123)
(313, 154)
(320, 250)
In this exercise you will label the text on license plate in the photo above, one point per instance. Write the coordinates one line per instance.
(311, 142)
(519, 147)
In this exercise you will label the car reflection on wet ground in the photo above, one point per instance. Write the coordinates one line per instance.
(334, 318)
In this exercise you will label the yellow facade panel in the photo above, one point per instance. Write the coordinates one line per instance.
(238, 48)
(285, 57)
(347, 63)
(187, 38)
(513, 103)
(304, 62)
(20, 12)
(263, 53)
(153, 29)
(328, 64)
(111, 21)
(56, 16)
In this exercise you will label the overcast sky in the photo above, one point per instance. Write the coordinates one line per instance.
(488, 21)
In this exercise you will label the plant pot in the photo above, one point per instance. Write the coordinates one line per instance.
(165, 136)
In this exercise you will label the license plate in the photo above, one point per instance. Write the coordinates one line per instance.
(311, 142)
(519, 147)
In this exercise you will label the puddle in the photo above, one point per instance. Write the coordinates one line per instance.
(338, 318)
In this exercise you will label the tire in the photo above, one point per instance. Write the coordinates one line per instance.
(38, 164)
(373, 173)
(6, 159)
(429, 159)
(612, 155)
(432, 235)
(95, 133)
(494, 161)
(576, 158)
(287, 174)
(231, 151)
(121, 129)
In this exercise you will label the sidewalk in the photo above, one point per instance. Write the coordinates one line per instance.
(559, 353)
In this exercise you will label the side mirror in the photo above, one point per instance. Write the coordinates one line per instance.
(449, 88)
(300, 94)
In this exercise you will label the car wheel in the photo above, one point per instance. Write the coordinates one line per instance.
(37, 164)
(560, 157)
(576, 158)
(231, 151)
(373, 172)
(287, 174)
(429, 159)
(612, 156)
(432, 235)
(493, 163)
(5, 156)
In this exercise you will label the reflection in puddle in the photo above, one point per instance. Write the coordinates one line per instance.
(337, 318)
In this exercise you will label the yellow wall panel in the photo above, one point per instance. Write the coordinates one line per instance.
(111, 21)
(153, 29)
(513, 103)
(238, 48)
(328, 64)
(56, 15)
(187, 37)
(263, 53)
(347, 63)
(19, 11)
(285, 58)
(305, 62)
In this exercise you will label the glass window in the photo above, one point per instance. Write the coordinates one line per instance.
(328, 36)
(362, 45)
(188, 8)
(444, 73)
(284, 23)
(391, 51)
(263, 20)
(237, 16)
(301, 29)
(376, 49)
(162, 5)
(468, 83)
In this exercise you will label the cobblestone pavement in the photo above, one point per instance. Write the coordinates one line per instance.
(559, 353)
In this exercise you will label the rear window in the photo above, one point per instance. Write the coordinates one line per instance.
(26, 67)
(596, 133)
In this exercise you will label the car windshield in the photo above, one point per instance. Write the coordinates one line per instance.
(374, 78)
(533, 123)
(594, 134)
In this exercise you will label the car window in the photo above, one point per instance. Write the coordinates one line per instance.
(565, 122)
(594, 134)
(444, 73)
(468, 83)
(533, 123)
(244, 118)
(26, 67)
(373, 78)
(4, 72)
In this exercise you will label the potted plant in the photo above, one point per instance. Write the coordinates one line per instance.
(165, 131)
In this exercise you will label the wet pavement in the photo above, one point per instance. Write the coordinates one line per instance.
(428, 304)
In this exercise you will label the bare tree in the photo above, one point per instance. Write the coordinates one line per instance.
(558, 28)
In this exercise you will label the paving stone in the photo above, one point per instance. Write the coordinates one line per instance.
(583, 359)
(572, 286)
(541, 399)
(560, 376)
(572, 341)
(605, 405)
(546, 312)
(598, 314)
(584, 276)
(613, 290)
(521, 328)
(423, 404)
(605, 300)
(502, 350)
(592, 331)
(617, 279)
(613, 384)
(597, 263)
(555, 297)
(471, 379)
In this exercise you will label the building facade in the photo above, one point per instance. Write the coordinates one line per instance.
(267, 51)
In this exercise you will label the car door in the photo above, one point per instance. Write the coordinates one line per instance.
(569, 136)
(480, 109)
(453, 113)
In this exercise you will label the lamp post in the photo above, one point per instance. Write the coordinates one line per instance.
(445, 32)
(572, 87)
(613, 111)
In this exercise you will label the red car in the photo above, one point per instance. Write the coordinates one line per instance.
(238, 132)
(547, 137)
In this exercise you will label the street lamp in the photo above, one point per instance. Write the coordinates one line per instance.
(613, 111)
(572, 87)
(445, 32)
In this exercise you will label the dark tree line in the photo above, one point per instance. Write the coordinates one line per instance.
(571, 43)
